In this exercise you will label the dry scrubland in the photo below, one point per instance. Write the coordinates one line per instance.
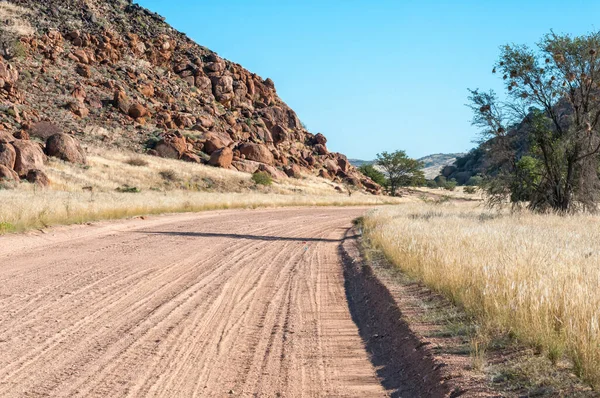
(121, 184)
(536, 277)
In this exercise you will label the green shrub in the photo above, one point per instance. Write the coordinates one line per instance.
(370, 171)
(262, 178)
(450, 185)
(128, 189)
(431, 184)
(470, 190)
(475, 181)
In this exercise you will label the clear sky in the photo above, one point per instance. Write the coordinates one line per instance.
(376, 75)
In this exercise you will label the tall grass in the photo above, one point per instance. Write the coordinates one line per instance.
(536, 276)
(21, 210)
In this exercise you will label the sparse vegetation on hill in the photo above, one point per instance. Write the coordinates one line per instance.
(113, 75)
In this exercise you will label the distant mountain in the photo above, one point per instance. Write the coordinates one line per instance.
(358, 162)
(433, 164)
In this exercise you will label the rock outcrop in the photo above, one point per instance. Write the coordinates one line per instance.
(116, 65)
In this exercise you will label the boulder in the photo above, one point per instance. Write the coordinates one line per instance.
(38, 177)
(324, 174)
(272, 171)
(223, 88)
(6, 137)
(8, 75)
(30, 156)
(191, 157)
(257, 152)
(246, 166)
(137, 111)
(8, 174)
(65, 147)
(8, 155)
(121, 101)
(344, 164)
(293, 171)
(222, 158)
(320, 139)
(320, 149)
(279, 134)
(213, 143)
(172, 145)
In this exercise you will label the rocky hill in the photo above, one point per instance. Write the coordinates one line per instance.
(433, 164)
(79, 73)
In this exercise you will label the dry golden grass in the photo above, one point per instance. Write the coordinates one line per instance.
(12, 19)
(534, 276)
(113, 186)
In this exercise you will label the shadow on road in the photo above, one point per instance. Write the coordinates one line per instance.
(241, 236)
(403, 365)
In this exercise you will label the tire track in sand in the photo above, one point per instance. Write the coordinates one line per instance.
(246, 301)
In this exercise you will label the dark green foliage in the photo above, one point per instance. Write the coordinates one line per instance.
(475, 181)
(543, 143)
(370, 171)
(262, 178)
(401, 170)
(128, 189)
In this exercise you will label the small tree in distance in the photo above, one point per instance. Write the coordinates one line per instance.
(401, 170)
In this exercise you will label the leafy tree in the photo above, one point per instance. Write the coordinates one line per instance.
(400, 170)
(553, 95)
(370, 171)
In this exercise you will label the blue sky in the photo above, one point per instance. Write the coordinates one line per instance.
(376, 75)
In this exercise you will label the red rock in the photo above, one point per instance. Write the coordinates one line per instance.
(38, 177)
(7, 174)
(320, 139)
(222, 158)
(6, 137)
(191, 157)
(137, 111)
(257, 152)
(320, 149)
(246, 166)
(172, 145)
(29, 156)
(8, 155)
(293, 171)
(65, 147)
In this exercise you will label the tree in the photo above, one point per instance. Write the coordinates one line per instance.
(553, 96)
(400, 170)
(370, 171)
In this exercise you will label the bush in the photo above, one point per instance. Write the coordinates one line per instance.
(137, 162)
(169, 175)
(450, 185)
(128, 189)
(431, 184)
(262, 178)
(475, 181)
(370, 171)
(470, 190)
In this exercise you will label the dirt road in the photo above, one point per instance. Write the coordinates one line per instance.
(233, 303)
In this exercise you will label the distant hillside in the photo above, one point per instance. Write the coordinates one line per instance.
(433, 164)
(358, 162)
